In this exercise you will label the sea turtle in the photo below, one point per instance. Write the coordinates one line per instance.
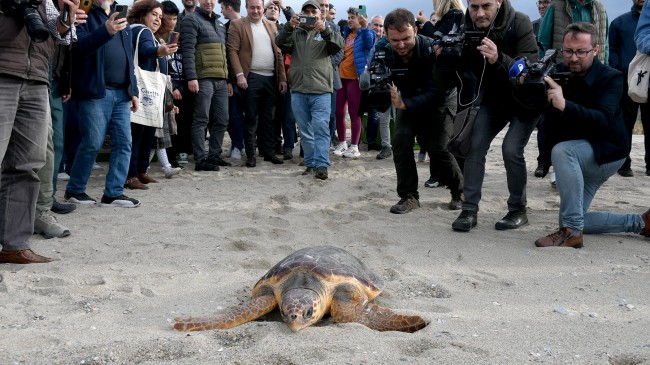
(308, 284)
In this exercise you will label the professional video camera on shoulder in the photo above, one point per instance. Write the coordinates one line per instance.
(26, 11)
(454, 43)
(379, 76)
(528, 79)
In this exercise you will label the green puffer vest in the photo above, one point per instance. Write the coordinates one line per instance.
(563, 16)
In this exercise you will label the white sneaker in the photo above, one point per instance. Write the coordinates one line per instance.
(338, 151)
(235, 153)
(62, 176)
(182, 158)
(47, 226)
(171, 171)
(352, 152)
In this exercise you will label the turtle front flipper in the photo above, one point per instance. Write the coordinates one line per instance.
(349, 304)
(229, 317)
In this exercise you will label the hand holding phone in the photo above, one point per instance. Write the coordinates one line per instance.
(363, 10)
(121, 11)
(173, 38)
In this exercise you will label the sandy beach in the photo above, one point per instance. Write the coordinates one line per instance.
(201, 240)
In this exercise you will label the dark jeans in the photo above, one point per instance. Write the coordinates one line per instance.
(259, 103)
(72, 133)
(288, 123)
(236, 122)
(210, 107)
(182, 141)
(443, 164)
(489, 122)
(371, 127)
(141, 142)
(630, 111)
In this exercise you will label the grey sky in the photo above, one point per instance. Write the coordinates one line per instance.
(382, 7)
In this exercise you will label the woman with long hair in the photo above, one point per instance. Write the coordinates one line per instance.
(359, 41)
(145, 17)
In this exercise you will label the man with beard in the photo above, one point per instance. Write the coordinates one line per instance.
(587, 140)
(508, 35)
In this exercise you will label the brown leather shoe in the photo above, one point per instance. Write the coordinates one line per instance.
(146, 179)
(134, 183)
(251, 161)
(563, 238)
(22, 257)
(646, 220)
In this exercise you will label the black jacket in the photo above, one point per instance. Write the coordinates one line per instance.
(592, 112)
(512, 32)
(417, 87)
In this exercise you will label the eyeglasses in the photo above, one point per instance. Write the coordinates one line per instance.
(568, 53)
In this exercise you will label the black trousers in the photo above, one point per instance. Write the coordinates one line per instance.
(259, 103)
(630, 111)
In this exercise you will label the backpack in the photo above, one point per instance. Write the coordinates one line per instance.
(637, 78)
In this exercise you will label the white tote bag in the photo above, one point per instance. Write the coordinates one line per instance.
(637, 78)
(151, 85)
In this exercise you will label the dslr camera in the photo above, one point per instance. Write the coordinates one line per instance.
(454, 43)
(528, 79)
(26, 11)
(380, 77)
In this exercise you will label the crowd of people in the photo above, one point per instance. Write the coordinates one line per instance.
(279, 78)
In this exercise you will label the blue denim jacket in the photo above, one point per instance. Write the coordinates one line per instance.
(88, 56)
(642, 35)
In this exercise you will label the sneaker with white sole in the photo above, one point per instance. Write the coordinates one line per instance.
(47, 226)
(182, 158)
(235, 153)
(171, 171)
(352, 152)
(62, 176)
(121, 201)
(78, 198)
(342, 147)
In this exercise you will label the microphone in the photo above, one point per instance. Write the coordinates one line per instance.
(364, 80)
(518, 67)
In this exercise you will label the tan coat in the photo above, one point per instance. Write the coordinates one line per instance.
(240, 47)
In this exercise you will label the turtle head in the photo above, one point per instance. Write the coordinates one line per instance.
(301, 308)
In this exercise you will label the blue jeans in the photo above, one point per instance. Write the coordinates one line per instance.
(578, 179)
(110, 114)
(489, 122)
(312, 113)
(332, 119)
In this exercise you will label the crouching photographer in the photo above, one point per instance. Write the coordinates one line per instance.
(508, 34)
(28, 30)
(587, 140)
(402, 75)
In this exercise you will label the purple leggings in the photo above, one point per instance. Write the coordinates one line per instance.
(350, 94)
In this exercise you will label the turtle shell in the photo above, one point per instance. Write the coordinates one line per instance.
(332, 264)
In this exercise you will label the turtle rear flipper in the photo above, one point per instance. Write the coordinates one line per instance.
(349, 304)
(229, 317)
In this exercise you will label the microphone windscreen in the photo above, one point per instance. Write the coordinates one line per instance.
(364, 80)
(517, 68)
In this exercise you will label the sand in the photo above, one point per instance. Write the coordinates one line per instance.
(201, 240)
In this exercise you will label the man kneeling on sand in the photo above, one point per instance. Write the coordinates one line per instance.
(588, 141)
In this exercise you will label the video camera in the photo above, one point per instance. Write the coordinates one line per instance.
(454, 43)
(27, 12)
(380, 76)
(528, 79)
